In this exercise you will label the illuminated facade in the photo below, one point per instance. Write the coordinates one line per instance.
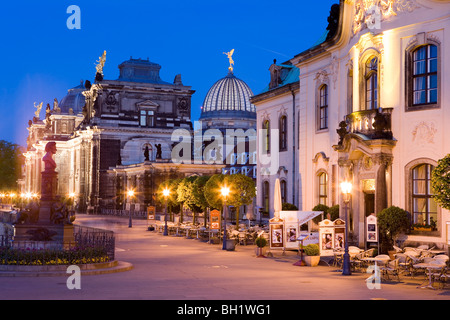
(373, 105)
(110, 135)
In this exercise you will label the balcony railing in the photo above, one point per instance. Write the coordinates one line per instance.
(374, 124)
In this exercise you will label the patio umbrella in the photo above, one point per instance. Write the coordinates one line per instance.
(277, 199)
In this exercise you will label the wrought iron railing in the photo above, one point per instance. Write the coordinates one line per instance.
(84, 237)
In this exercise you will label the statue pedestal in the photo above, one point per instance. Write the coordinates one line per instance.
(63, 237)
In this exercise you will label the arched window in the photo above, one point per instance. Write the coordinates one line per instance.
(424, 74)
(266, 136)
(266, 197)
(371, 83)
(283, 133)
(323, 188)
(323, 107)
(423, 205)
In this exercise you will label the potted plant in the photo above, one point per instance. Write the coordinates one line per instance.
(392, 221)
(312, 252)
(422, 227)
(260, 242)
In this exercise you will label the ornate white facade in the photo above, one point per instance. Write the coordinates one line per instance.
(373, 106)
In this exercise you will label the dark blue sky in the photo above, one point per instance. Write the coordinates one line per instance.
(41, 58)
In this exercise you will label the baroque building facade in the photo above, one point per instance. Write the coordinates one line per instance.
(113, 136)
(372, 109)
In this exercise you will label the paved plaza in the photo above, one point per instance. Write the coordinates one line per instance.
(176, 268)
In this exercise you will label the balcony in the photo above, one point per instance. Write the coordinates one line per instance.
(372, 124)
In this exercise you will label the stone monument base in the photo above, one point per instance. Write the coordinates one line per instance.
(62, 239)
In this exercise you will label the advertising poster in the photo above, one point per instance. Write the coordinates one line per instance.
(371, 229)
(276, 236)
(214, 218)
(151, 213)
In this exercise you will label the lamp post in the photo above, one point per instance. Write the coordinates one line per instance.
(130, 194)
(166, 193)
(346, 188)
(224, 191)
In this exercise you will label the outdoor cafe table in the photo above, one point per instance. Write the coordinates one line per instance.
(429, 266)
(375, 259)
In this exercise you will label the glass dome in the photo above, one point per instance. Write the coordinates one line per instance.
(229, 97)
(74, 100)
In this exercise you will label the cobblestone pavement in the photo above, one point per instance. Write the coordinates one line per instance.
(176, 268)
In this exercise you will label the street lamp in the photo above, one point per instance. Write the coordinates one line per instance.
(346, 189)
(166, 193)
(224, 191)
(130, 194)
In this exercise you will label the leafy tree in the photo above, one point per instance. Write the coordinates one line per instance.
(173, 206)
(212, 191)
(391, 221)
(242, 192)
(199, 195)
(185, 195)
(11, 160)
(440, 182)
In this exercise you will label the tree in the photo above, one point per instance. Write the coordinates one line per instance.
(440, 182)
(242, 192)
(173, 205)
(391, 221)
(11, 160)
(212, 191)
(185, 195)
(199, 195)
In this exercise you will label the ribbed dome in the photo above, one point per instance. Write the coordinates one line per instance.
(73, 100)
(228, 97)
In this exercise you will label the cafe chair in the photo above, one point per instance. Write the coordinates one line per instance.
(391, 268)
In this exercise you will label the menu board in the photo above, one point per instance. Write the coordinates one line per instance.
(214, 218)
(371, 229)
(276, 235)
(151, 212)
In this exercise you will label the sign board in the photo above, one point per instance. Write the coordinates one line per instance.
(312, 237)
(371, 228)
(276, 233)
(292, 223)
(214, 220)
(331, 236)
(151, 210)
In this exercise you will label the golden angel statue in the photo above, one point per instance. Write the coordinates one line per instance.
(230, 59)
(38, 109)
(101, 63)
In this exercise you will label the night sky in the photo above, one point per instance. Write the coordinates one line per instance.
(41, 58)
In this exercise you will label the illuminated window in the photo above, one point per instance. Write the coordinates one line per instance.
(424, 73)
(323, 188)
(423, 205)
